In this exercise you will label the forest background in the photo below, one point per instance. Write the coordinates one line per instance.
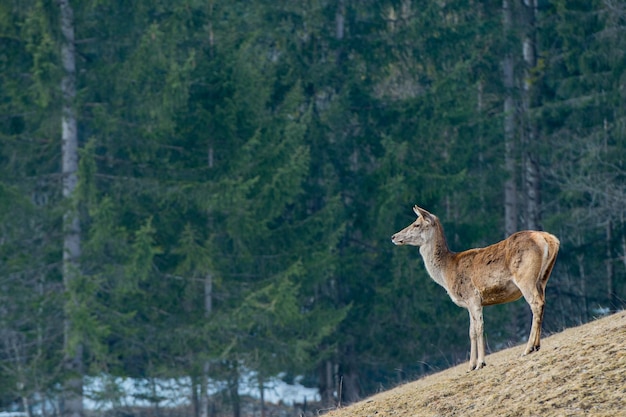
(207, 188)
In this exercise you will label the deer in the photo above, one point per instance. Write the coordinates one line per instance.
(516, 267)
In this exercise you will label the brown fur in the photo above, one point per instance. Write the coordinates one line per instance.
(518, 266)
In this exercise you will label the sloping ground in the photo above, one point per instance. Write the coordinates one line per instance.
(578, 372)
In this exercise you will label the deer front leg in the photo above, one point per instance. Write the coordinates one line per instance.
(477, 340)
(472, 335)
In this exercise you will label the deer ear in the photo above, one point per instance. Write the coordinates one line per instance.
(422, 213)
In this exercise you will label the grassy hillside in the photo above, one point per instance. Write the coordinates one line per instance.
(581, 371)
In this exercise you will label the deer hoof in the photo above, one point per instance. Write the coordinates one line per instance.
(478, 366)
(530, 350)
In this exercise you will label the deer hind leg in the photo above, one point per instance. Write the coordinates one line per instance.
(477, 341)
(535, 294)
(538, 307)
(535, 297)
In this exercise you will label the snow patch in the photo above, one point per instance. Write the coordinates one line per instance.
(107, 392)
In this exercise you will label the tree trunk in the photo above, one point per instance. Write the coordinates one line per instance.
(73, 388)
(532, 180)
(582, 288)
(206, 366)
(235, 400)
(481, 155)
(262, 395)
(340, 20)
(609, 265)
(510, 188)
(350, 387)
(529, 132)
(327, 383)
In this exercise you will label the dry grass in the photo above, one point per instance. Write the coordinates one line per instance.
(578, 372)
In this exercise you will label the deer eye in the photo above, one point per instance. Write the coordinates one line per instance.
(416, 225)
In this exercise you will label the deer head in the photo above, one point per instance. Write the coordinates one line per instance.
(419, 232)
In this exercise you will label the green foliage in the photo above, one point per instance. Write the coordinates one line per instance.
(40, 44)
(274, 332)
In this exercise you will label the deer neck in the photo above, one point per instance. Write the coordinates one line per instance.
(437, 257)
